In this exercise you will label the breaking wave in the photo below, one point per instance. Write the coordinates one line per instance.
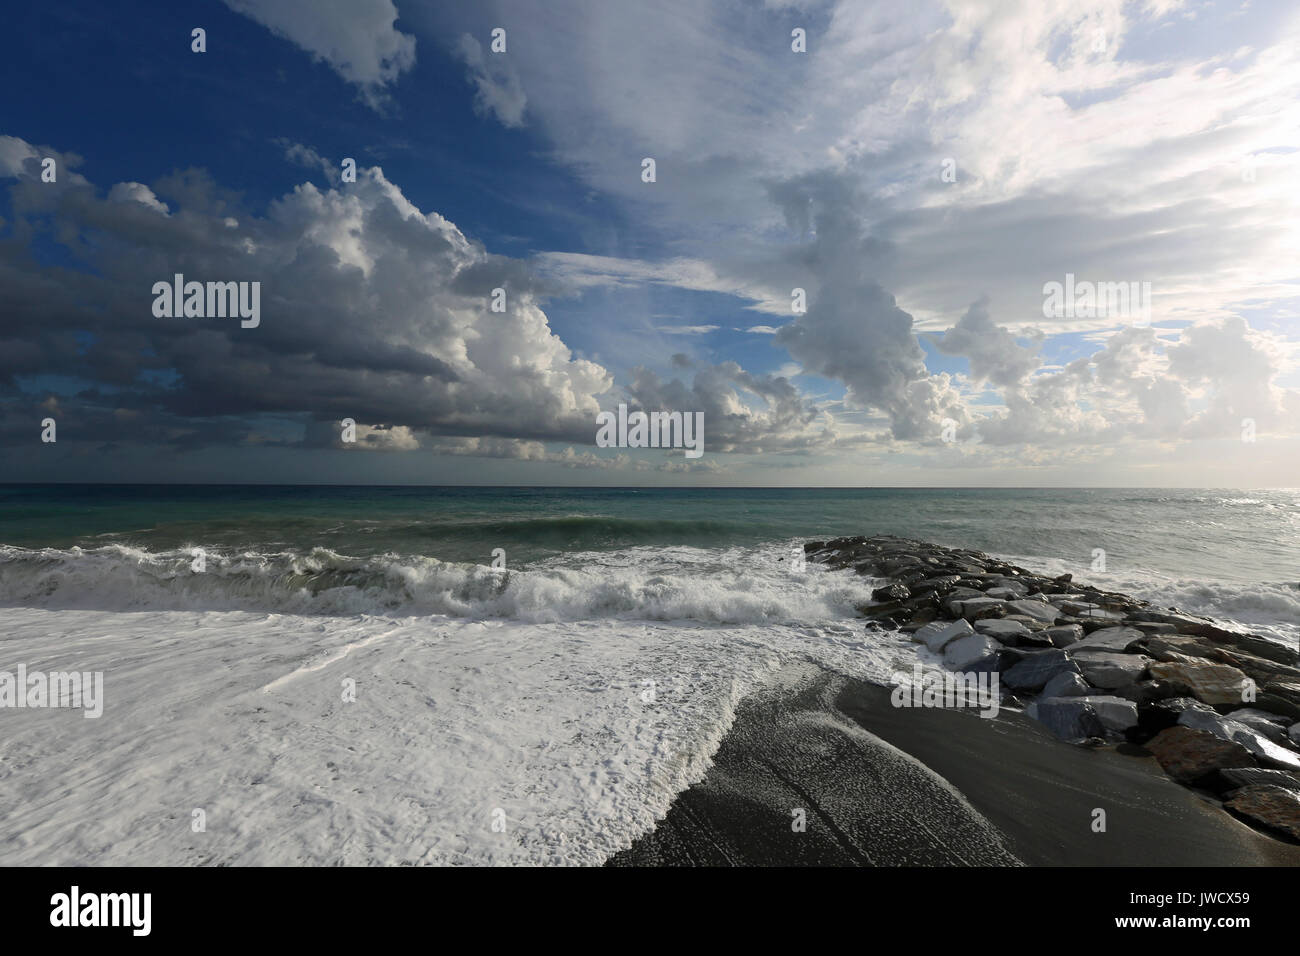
(733, 586)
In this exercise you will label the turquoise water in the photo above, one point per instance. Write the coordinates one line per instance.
(1233, 536)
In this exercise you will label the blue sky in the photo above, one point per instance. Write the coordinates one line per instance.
(1118, 142)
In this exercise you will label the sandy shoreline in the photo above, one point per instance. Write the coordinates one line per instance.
(887, 786)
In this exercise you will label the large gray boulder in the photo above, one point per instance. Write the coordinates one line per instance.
(1110, 639)
(1037, 669)
(977, 609)
(1070, 718)
(1039, 610)
(1264, 750)
(1008, 632)
(934, 636)
(1006, 593)
(1067, 684)
(1076, 608)
(1276, 807)
(1281, 697)
(970, 651)
(1115, 713)
(1212, 683)
(1109, 670)
(1272, 726)
(1190, 755)
(1063, 635)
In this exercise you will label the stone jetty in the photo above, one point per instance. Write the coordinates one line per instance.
(1219, 710)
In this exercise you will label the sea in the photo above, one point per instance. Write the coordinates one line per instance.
(488, 675)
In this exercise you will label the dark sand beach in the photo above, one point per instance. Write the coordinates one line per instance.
(889, 786)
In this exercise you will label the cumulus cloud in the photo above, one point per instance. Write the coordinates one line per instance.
(1150, 124)
(820, 171)
(994, 354)
(1205, 384)
(743, 412)
(853, 330)
(371, 310)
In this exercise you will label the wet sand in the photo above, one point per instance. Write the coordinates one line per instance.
(886, 786)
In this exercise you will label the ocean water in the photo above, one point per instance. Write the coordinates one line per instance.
(544, 712)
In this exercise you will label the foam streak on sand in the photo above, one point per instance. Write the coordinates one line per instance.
(331, 659)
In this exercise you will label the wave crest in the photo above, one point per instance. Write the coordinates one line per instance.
(738, 586)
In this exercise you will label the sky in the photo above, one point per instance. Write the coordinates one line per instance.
(867, 254)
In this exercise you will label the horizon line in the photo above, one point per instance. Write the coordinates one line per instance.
(322, 484)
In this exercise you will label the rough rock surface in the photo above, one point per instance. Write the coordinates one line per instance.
(1037, 669)
(1212, 683)
(935, 636)
(1107, 669)
(1110, 639)
(1115, 713)
(1070, 718)
(1064, 635)
(1189, 755)
(1249, 776)
(1067, 684)
(1264, 749)
(1008, 632)
(1274, 807)
(969, 651)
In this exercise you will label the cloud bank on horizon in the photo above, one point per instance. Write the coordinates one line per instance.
(843, 257)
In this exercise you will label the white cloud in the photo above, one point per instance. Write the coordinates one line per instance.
(497, 90)
(383, 438)
(357, 38)
(581, 271)
(1138, 386)
(371, 310)
(687, 329)
(743, 412)
(137, 192)
(1118, 165)
(994, 354)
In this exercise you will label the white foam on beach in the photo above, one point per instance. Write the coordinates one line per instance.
(241, 714)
